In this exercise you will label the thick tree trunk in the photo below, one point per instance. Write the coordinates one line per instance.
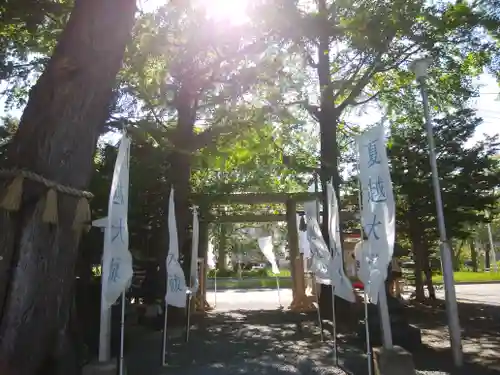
(428, 272)
(181, 172)
(473, 254)
(418, 253)
(181, 167)
(328, 120)
(487, 261)
(180, 176)
(56, 139)
(417, 258)
(456, 254)
(222, 253)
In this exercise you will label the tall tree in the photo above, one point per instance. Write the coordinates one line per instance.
(56, 139)
(190, 77)
(468, 176)
(353, 48)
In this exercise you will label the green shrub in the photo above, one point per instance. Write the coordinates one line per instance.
(222, 273)
(234, 273)
(255, 273)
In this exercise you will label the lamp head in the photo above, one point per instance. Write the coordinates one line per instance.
(420, 67)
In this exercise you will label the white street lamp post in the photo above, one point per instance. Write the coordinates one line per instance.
(419, 67)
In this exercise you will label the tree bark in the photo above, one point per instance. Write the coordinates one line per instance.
(456, 256)
(183, 139)
(473, 254)
(56, 138)
(222, 247)
(418, 255)
(487, 261)
(327, 118)
(328, 121)
(428, 272)
(419, 283)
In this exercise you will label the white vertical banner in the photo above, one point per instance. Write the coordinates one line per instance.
(321, 259)
(266, 246)
(117, 269)
(176, 282)
(342, 284)
(194, 252)
(378, 210)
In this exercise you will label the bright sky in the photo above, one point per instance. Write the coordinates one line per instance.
(487, 106)
(233, 11)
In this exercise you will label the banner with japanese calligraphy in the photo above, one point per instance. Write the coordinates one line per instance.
(194, 252)
(342, 284)
(117, 269)
(378, 210)
(321, 259)
(266, 246)
(176, 282)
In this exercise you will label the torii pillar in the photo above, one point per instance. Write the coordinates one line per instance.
(301, 302)
(201, 305)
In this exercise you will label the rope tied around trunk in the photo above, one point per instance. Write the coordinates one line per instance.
(11, 200)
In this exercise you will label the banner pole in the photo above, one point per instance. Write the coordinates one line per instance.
(104, 328)
(122, 336)
(367, 332)
(320, 321)
(365, 291)
(334, 328)
(188, 318)
(164, 341)
(215, 288)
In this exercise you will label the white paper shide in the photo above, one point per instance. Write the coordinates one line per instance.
(378, 210)
(117, 261)
(266, 246)
(176, 282)
(342, 284)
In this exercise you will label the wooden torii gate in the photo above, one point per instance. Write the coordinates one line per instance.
(301, 302)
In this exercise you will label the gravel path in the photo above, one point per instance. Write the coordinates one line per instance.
(283, 343)
(480, 339)
(233, 343)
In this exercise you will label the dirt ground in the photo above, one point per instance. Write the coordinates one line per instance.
(480, 337)
(238, 342)
(283, 343)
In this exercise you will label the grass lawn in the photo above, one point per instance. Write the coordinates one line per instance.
(269, 283)
(286, 282)
(470, 277)
(283, 273)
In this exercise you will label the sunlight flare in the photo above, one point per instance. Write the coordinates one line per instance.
(231, 11)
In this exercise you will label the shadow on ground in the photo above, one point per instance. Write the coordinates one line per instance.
(480, 335)
(239, 342)
(280, 342)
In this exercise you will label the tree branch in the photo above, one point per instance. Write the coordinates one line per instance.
(361, 84)
(313, 110)
(370, 98)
